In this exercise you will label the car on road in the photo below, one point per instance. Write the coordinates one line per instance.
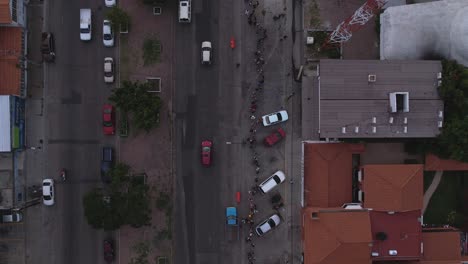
(108, 119)
(13, 217)
(107, 34)
(108, 248)
(108, 70)
(267, 225)
(275, 118)
(272, 181)
(48, 195)
(110, 3)
(107, 162)
(206, 149)
(206, 52)
(274, 137)
(48, 47)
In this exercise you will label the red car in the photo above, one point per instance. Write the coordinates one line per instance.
(108, 119)
(108, 251)
(274, 137)
(206, 152)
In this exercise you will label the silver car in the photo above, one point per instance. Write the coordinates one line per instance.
(48, 192)
(275, 118)
(267, 225)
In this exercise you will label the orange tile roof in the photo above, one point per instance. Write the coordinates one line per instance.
(441, 246)
(403, 234)
(10, 51)
(434, 163)
(393, 187)
(328, 173)
(5, 13)
(337, 236)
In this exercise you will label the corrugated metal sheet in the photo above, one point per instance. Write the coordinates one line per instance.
(5, 124)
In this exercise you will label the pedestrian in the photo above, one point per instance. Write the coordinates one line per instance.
(237, 65)
(252, 245)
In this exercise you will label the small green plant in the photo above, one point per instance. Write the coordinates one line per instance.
(151, 51)
(142, 250)
(119, 18)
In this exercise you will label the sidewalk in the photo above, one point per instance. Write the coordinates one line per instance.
(149, 152)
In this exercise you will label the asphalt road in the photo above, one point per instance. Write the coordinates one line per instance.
(73, 97)
(208, 105)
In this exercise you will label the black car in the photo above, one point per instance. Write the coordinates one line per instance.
(107, 163)
(48, 47)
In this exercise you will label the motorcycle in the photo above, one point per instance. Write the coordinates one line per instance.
(63, 174)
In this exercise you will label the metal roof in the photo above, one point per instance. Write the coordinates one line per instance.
(354, 98)
(5, 126)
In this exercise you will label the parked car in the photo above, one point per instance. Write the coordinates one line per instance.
(206, 52)
(206, 148)
(272, 181)
(48, 196)
(107, 162)
(13, 217)
(108, 119)
(274, 137)
(85, 24)
(108, 247)
(48, 47)
(107, 34)
(110, 3)
(267, 225)
(275, 118)
(108, 70)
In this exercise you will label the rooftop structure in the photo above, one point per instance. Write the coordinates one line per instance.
(392, 187)
(434, 163)
(11, 43)
(440, 247)
(437, 29)
(379, 99)
(328, 171)
(336, 235)
(396, 235)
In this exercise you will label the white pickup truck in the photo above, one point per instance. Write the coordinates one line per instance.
(85, 24)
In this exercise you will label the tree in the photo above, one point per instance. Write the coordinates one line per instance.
(118, 17)
(128, 202)
(134, 98)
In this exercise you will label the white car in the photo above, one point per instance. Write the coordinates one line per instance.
(268, 225)
(275, 118)
(110, 3)
(48, 192)
(272, 181)
(206, 52)
(108, 70)
(107, 35)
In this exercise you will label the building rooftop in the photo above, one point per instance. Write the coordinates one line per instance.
(379, 99)
(396, 236)
(328, 171)
(434, 163)
(393, 187)
(336, 235)
(10, 52)
(5, 14)
(440, 247)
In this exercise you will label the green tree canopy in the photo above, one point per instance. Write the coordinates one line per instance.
(118, 17)
(126, 202)
(143, 106)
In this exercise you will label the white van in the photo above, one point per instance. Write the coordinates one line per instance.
(270, 183)
(185, 11)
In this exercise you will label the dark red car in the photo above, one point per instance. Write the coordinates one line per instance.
(274, 137)
(108, 119)
(108, 251)
(206, 146)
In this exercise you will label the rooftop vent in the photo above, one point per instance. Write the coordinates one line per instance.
(405, 120)
(392, 252)
(315, 215)
(381, 236)
(405, 129)
(352, 206)
(356, 129)
(390, 120)
(361, 196)
(439, 75)
(359, 175)
(343, 130)
(441, 114)
(375, 254)
(374, 120)
(399, 102)
(374, 129)
(439, 124)
(372, 78)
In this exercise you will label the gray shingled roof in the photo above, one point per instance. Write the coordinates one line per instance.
(348, 100)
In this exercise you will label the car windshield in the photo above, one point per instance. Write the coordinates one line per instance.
(271, 223)
(84, 30)
(108, 74)
(107, 124)
(47, 197)
(107, 36)
(278, 115)
(206, 149)
(277, 179)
